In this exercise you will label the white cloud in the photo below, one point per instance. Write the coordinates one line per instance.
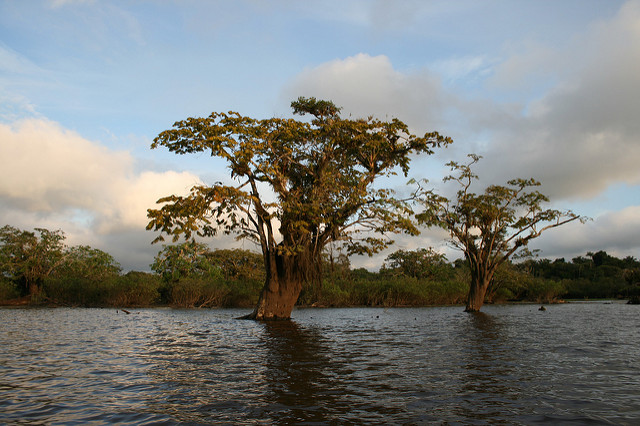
(527, 66)
(55, 178)
(578, 136)
(564, 114)
(468, 68)
(583, 134)
(11, 62)
(364, 85)
(17, 71)
(47, 167)
(14, 107)
(617, 233)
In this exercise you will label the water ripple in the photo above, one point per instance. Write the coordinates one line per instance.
(574, 363)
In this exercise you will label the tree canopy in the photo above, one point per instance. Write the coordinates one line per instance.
(28, 257)
(183, 260)
(300, 185)
(421, 263)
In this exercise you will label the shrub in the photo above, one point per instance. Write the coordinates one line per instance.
(8, 290)
(197, 292)
(392, 290)
(73, 291)
(545, 291)
(133, 289)
(243, 293)
(333, 295)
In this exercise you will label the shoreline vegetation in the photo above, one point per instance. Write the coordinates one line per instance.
(24, 302)
(190, 275)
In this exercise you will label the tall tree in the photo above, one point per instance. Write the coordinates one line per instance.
(490, 227)
(300, 186)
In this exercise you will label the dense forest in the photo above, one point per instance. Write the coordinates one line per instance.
(37, 268)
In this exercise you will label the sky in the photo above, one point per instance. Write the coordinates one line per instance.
(545, 89)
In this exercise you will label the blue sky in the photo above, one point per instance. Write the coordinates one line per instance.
(544, 89)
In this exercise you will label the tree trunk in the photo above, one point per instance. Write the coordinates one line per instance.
(281, 290)
(276, 300)
(477, 292)
(34, 288)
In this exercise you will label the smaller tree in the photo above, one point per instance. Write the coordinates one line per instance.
(491, 227)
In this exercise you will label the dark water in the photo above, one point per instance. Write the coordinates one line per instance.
(575, 363)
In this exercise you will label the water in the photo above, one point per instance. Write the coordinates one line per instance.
(574, 363)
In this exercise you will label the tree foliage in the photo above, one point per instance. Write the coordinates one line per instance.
(84, 276)
(422, 263)
(596, 275)
(39, 262)
(238, 264)
(87, 263)
(188, 259)
(492, 226)
(300, 186)
(28, 257)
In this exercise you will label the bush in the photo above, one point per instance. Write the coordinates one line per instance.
(8, 290)
(74, 291)
(243, 293)
(545, 291)
(391, 290)
(333, 295)
(133, 289)
(197, 292)
(451, 292)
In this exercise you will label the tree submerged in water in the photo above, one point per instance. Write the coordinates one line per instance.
(491, 227)
(301, 186)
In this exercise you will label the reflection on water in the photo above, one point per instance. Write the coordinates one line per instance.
(300, 382)
(512, 364)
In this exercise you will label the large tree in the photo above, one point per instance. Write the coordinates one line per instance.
(301, 184)
(492, 226)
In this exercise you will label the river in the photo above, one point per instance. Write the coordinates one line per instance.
(573, 363)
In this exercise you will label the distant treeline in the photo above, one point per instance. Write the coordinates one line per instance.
(38, 268)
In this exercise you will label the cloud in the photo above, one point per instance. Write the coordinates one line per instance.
(617, 233)
(581, 135)
(364, 85)
(47, 167)
(467, 68)
(16, 72)
(55, 178)
(11, 62)
(564, 115)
